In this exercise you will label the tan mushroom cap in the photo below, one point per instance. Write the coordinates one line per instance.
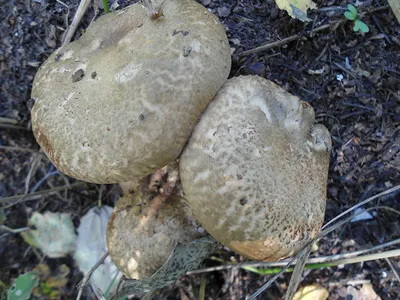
(255, 169)
(121, 102)
(139, 241)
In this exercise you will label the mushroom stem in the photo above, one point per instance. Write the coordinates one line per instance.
(172, 171)
(156, 179)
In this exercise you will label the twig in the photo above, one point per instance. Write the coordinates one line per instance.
(396, 274)
(8, 121)
(80, 12)
(296, 37)
(10, 126)
(38, 195)
(285, 40)
(17, 230)
(86, 278)
(9, 148)
(389, 191)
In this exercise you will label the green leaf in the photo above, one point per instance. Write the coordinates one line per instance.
(184, 258)
(350, 16)
(362, 26)
(352, 9)
(356, 26)
(23, 286)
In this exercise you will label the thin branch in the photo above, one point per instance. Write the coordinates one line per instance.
(8, 121)
(296, 37)
(86, 278)
(17, 230)
(9, 148)
(38, 195)
(80, 12)
(391, 265)
(389, 191)
(286, 40)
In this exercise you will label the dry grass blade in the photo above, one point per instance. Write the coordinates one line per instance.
(298, 270)
(315, 260)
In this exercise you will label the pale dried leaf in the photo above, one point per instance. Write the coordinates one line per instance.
(54, 233)
(312, 292)
(296, 8)
(91, 246)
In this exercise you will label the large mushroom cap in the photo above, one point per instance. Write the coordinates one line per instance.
(121, 102)
(140, 239)
(255, 169)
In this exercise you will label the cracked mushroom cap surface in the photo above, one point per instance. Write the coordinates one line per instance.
(255, 170)
(122, 101)
(140, 240)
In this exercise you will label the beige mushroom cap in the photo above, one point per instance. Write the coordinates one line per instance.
(122, 101)
(255, 170)
(140, 241)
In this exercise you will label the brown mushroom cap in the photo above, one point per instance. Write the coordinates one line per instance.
(255, 169)
(140, 241)
(121, 102)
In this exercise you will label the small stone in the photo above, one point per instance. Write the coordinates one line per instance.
(223, 11)
(206, 2)
(235, 41)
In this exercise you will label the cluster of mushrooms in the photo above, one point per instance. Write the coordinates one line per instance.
(142, 99)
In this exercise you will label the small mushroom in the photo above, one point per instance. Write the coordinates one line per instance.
(255, 170)
(122, 101)
(141, 236)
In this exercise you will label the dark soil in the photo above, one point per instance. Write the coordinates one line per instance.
(351, 79)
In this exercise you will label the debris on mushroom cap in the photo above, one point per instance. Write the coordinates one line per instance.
(255, 169)
(121, 102)
(141, 238)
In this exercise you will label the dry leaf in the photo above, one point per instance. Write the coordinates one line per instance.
(54, 234)
(296, 8)
(365, 293)
(395, 5)
(312, 292)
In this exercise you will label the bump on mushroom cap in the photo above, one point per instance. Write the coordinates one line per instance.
(121, 102)
(255, 169)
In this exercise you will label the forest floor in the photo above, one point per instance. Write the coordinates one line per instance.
(351, 79)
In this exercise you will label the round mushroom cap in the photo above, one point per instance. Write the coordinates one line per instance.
(141, 237)
(122, 101)
(255, 170)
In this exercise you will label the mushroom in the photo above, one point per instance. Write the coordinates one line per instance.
(141, 236)
(255, 170)
(122, 101)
